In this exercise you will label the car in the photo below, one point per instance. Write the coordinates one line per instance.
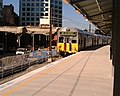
(21, 51)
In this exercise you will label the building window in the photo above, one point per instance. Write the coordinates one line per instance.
(60, 21)
(23, 9)
(37, 19)
(60, 16)
(32, 19)
(37, 9)
(32, 14)
(46, 4)
(28, 19)
(56, 2)
(23, 23)
(56, 15)
(42, 9)
(23, 4)
(28, 4)
(23, 14)
(52, 1)
(60, 25)
(46, 17)
(32, 23)
(42, 4)
(56, 25)
(32, 4)
(56, 11)
(60, 7)
(28, 14)
(28, 9)
(37, 4)
(28, 23)
(51, 5)
(60, 2)
(42, 14)
(46, 14)
(41, 17)
(37, 14)
(32, 9)
(37, 24)
(46, 9)
(23, 19)
(56, 6)
(60, 12)
(37, 0)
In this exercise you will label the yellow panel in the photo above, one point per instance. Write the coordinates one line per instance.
(60, 47)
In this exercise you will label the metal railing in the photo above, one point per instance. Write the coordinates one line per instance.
(13, 64)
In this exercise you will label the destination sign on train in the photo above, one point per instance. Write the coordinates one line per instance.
(68, 33)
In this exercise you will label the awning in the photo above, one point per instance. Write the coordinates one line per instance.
(99, 12)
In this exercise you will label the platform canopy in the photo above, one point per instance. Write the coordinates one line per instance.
(99, 12)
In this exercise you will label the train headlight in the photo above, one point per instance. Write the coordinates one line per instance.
(75, 49)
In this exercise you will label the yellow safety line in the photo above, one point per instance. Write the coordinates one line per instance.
(29, 81)
(32, 79)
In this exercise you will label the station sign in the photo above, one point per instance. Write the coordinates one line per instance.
(68, 33)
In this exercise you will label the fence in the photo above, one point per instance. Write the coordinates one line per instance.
(13, 64)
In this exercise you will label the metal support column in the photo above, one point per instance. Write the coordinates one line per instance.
(50, 47)
(116, 46)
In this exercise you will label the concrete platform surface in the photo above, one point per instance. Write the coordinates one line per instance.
(87, 73)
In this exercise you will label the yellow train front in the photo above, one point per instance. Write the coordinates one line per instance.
(67, 41)
(71, 40)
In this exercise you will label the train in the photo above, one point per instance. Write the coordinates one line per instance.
(72, 40)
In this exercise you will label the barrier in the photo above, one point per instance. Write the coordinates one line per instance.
(13, 64)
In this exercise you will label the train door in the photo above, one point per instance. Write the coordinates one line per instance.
(79, 42)
(68, 44)
(84, 42)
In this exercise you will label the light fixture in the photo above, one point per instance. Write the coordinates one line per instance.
(66, 1)
(85, 18)
(76, 10)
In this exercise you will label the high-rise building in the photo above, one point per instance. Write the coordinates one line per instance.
(1, 5)
(10, 18)
(37, 12)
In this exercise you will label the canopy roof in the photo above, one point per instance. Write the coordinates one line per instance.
(99, 12)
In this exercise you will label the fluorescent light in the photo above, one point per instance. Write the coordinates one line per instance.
(66, 1)
(77, 11)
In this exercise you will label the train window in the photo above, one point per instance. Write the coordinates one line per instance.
(61, 39)
(67, 40)
(73, 41)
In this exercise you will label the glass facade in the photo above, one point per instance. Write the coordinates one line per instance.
(1, 4)
(32, 10)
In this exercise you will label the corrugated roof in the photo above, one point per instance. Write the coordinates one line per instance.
(99, 12)
(36, 30)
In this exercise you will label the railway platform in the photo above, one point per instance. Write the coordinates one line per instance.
(87, 73)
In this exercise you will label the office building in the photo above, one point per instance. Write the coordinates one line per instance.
(10, 18)
(1, 5)
(37, 12)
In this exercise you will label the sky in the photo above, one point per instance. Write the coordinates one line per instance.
(70, 17)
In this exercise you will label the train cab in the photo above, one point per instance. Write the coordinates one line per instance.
(67, 41)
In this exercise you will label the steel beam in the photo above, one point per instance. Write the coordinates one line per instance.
(76, 1)
(116, 46)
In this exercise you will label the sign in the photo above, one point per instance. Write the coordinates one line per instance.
(68, 33)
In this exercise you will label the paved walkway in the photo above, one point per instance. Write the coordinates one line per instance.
(87, 73)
